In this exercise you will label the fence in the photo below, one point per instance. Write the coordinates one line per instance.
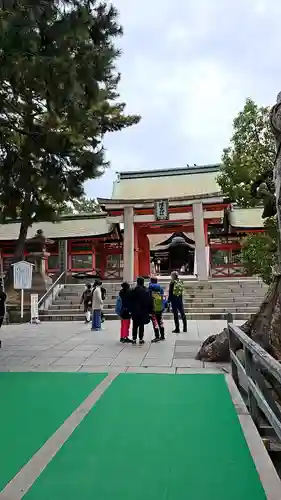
(261, 379)
(228, 270)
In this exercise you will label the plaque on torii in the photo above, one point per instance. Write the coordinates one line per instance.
(161, 210)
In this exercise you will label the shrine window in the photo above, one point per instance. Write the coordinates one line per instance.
(53, 262)
(82, 261)
(219, 257)
(235, 256)
(53, 248)
(7, 261)
(113, 261)
(8, 249)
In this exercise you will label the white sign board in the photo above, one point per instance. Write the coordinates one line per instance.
(34, 305)
(22, 275)
(161, 210)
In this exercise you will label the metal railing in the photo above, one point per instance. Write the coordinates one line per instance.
(261, 378)
(48, 298)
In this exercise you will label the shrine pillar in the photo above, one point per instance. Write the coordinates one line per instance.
(136, 253)
(144, 255)
(103, 264)
(129, 244)
(94, 258)
(207, 247)
(201, 251)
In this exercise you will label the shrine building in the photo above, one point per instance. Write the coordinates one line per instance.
(177, 217)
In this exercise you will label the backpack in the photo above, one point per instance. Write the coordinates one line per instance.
(88, 296)
(118, 306)
(103, 293)
(178, 288)
(157, 302)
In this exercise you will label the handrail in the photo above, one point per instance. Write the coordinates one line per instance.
(50, 291)
(263, 357)
(259, 364)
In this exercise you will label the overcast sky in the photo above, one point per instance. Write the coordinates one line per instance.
(187, 68)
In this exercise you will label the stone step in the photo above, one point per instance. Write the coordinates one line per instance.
(200, 296)
(197, 286)
(64, 304)
(190, 297)
(213, 310)
(241, 301)
(237, 289)
(187, 284)
(190, 316)
(210, 300)
(187, 302)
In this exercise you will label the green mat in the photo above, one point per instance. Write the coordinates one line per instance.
(33, 406)
(155, 437)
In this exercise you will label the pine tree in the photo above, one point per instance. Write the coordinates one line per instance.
(81, 205)
(58, 98)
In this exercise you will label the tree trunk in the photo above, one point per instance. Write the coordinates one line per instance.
(19, 254)
(264, 328)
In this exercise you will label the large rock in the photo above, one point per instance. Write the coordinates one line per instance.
(215, 348)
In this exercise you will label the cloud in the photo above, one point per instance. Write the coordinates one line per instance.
(187, 68)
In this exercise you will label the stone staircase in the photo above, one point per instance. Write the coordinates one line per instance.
(209, 300)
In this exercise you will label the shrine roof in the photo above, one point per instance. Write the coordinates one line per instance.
(246, 218)
(109, 203)
(158, 241)
(167, 183)
(68, 227)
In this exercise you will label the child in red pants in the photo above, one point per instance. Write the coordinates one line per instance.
(123, 311)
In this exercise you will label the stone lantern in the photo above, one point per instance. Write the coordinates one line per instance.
(38, 255)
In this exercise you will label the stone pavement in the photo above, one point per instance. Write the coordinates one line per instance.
(73, 347)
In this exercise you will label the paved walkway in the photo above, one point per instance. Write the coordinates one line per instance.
(104, 434)
(72, 347)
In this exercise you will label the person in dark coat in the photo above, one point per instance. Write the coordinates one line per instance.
(141, 308)
(86, 299)
(176, 300)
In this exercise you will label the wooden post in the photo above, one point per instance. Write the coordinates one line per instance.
(231, 340)
(250, 371)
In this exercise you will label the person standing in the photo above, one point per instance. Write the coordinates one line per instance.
(152, 266)
(141, 308)
(122, 310)
(97, 304)
(157, 293)
(86, 299)
(103, 296)
(176, 301)
(158, 266)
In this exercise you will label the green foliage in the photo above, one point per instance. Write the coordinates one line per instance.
(250, 155)
(81, 205)
(259, 251)
(58, 98)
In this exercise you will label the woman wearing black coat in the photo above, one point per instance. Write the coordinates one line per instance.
(141, 308)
